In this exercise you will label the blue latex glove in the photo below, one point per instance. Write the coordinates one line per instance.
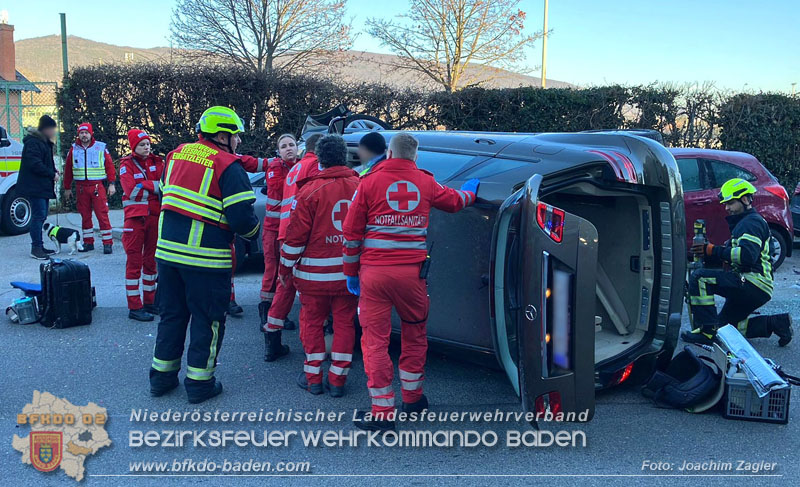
(139, 186)
(472, 186)
(353, 285)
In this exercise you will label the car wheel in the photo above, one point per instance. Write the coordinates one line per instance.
(16, 218)
(240, 248)
(777, 248)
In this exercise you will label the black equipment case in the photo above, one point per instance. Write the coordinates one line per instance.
(67, 295)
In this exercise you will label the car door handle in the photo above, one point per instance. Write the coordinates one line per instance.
(703, 201)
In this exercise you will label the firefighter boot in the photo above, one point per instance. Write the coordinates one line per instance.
(86, 248)
(235, 310)
(273, 348)
(315, 389)
(289, 324)
(152, 309)
(216, 391)
(108, 249)
(700, 336)
(364, 421)
(781, 325)
(263, 313)
(416, 407)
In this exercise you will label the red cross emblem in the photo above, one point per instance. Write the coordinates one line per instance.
(339, 213)
(291, 178)
(403, 196)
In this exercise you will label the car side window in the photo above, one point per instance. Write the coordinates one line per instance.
(723, 171)
(443, 165)
(690, 175)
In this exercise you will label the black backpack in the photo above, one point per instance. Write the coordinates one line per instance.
(688, 380)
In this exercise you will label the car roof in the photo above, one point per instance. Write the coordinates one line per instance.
(710, 153)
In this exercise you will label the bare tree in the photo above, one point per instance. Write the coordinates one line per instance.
(261, 35)
(442, 38)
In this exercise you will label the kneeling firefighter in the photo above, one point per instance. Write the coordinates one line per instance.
(745, 282)
(207, 198)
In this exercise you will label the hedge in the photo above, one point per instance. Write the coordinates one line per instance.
(166, 100)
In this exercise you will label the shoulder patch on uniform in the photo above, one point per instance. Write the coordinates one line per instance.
(152, 168)
(271, 174)
(294, 204)
(138, 175)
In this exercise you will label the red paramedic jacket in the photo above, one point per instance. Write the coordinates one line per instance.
(133, 170)
(303, 169)
(388, 221)
(313, 244)
(277, 169)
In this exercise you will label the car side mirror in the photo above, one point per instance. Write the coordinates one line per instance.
(4, 142)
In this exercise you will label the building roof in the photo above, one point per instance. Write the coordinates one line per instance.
(20, 84)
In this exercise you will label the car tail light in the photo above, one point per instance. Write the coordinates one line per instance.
(551, 401)
(778, 191)
(551, 220)
(624, 170)
(622, 375)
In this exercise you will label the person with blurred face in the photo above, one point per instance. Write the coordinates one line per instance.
(371, 151)
(91, 167)
(140, 175)
(37, 177)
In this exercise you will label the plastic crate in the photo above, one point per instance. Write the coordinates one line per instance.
(742, 402)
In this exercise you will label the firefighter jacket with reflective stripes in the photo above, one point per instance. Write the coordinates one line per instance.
(313, 244)
(91, 163)
(305, 168)
(388, 221)
(277, 169)
(133, 171)
(206, 198)
(748, 250)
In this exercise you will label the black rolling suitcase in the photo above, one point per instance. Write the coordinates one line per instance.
(67, 296)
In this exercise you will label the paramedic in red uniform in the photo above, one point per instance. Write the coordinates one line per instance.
(277, 169)
(92, 166)
(284, 290)
(140, 175)
(312, 251)
(384, 249)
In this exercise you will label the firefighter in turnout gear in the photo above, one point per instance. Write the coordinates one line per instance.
(312, 251)
(140, 175)
(92, 167)
(206, 198)
(384, 250)
(745, 282)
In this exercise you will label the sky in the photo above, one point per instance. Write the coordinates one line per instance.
(736, 44)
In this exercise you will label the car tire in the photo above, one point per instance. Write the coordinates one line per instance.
(778, 247)
(16, 218)
(240, 248)
(367, 118)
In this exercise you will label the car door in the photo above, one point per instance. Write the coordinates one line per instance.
(699, 196)
(543, 275)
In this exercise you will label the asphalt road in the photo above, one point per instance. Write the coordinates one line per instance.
(107, 363)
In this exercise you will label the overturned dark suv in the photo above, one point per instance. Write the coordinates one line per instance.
(569, 269)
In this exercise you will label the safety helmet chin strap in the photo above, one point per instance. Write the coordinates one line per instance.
(227, 146)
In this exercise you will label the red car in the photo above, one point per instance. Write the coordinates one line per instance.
(703, 172)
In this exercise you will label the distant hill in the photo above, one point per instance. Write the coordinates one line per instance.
(39, 59)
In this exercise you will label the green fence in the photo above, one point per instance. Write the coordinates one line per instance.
(22, 103)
